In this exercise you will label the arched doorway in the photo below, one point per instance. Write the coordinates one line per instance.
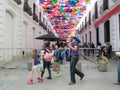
(9, 30)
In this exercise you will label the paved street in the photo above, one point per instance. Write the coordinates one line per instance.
(15, 76)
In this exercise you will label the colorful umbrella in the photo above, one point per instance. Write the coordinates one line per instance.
(64, 15)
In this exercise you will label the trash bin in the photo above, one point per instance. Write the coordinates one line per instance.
(102, 66)
(78, 66)
(29, 66)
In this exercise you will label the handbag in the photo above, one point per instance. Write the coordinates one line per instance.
(41, 65)
(48, 56)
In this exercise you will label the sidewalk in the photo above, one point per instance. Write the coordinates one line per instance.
(15, 75)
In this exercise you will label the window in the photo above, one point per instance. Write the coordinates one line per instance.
(97, 36)
(34, 9)
(90, 18)
(96, 10)
(40, 22)
(86, 37)
(83, 39)
(90, 36)
(40, 16)
(105, 5)
(107, 31)
(85, 22)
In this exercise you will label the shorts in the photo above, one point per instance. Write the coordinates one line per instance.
(36, 67)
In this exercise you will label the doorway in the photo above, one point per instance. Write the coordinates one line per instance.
(107, 31)
(97, 35)
(9, 36)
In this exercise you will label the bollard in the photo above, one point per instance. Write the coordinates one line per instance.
(102, 66)
(29, 66)
(78, 66)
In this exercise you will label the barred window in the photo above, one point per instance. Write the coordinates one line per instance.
(96, 10)
(90, 18)
(105, 5)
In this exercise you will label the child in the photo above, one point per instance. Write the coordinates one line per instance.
(35, 66)
(57, 59)
(104, 54)
(97, 56)
(77, 36)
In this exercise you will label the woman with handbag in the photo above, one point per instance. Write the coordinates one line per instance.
(46, 62)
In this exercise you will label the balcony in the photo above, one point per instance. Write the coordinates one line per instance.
(18, 1)
(35, 17)
(43, 25)
(27, 8)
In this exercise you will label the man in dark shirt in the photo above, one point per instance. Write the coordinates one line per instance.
(74, 59)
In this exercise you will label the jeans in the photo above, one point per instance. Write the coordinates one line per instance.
(73, 70)
(46, 65)
(119, 70)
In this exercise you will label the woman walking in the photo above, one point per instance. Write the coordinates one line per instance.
(74, 47)
(46, 64)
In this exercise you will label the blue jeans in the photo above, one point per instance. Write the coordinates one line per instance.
(119, 70)
(73, 70)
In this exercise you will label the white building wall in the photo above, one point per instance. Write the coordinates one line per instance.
(114, 25)
(22, 35)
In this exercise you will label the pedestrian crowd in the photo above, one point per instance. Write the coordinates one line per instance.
(68, 51)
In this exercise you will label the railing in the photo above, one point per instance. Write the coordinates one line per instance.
(9, 54)
(88, 54)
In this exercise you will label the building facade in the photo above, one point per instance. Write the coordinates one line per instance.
(19, 25)
(102, 23)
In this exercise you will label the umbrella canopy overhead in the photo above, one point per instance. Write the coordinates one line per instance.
(64, 15)
(49, 37)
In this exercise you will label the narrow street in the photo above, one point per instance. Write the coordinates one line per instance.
(15, 74)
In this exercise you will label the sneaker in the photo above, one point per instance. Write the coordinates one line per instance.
(58, 75)
(30, 81)
(48, 78)
(40, 80)
(72, 83)
(116, 83)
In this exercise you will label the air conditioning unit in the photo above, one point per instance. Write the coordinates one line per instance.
(101, 10)
(114, 0)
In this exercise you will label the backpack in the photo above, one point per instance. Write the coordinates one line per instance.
(48, 56)
(61, 54)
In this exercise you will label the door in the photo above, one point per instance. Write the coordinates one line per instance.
(107, 31)
(25, 37)
(97, 36)
(9, 30)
